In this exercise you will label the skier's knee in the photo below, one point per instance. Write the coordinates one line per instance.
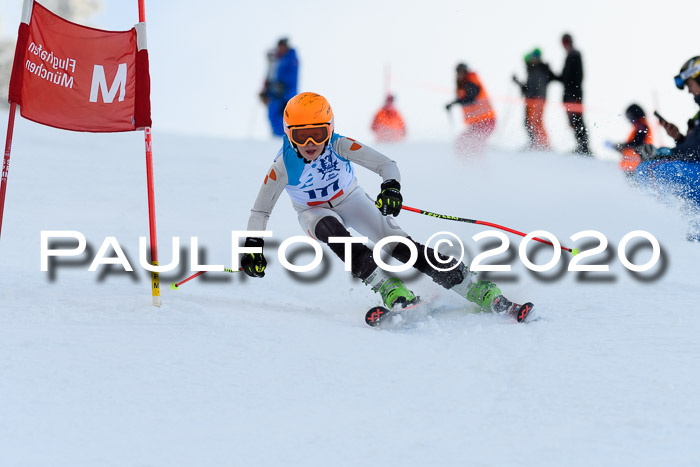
(403, 253)
(458, 275)
(330, 226)
(446, 278)
(362, 263)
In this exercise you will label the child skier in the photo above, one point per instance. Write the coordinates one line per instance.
(316, 167)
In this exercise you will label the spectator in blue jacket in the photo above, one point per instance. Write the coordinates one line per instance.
(280, 83)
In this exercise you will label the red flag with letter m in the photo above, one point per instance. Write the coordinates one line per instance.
(78, 78)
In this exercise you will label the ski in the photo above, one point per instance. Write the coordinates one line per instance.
(376, 315)
(521, 312)
(379, 314)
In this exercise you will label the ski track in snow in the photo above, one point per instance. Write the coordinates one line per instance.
(283, 370)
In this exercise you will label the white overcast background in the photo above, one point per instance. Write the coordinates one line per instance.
(208, 59)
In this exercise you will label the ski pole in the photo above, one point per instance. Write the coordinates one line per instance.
(451, 123)
(174, 285)
(489, 224)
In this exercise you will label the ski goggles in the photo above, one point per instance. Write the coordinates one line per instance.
(319, 134)
(689, 73)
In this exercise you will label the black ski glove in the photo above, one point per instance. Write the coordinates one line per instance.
(389, 200)
(254, 264)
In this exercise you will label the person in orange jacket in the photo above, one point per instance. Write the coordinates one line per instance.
(388, 125)
(479, 116)
(638, 137)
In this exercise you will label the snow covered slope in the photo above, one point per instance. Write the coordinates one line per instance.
(283, 371)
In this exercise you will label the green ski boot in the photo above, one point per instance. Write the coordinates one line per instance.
(488, 296)
(483, 293)
(393, 291)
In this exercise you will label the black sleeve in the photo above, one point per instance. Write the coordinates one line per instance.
(567, 72)
(579, 67)
(689, 150)
(639, 136)
(472, 91)
(572, 74)
(575, 68)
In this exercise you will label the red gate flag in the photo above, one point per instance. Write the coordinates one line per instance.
(78, 78)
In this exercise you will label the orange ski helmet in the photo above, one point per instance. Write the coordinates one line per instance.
(308, 116)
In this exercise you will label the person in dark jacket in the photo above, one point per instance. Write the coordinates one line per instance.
(534, 91)
(676, 170)
(688, 146)
(280, 83)
(572, 78)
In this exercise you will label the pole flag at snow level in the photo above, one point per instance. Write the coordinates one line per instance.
(78, 78)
